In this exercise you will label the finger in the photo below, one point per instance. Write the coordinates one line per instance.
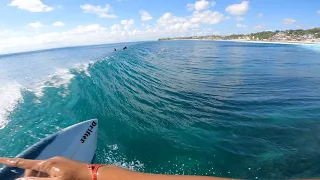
(44, 175)
(30, 173)
(21, 163)
(33, 173)
(41, 174)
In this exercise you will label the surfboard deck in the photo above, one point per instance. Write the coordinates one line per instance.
(77, 142)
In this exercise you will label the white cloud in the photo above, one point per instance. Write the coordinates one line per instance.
(87, 29)
(31, 5)
(318, 11)
(127, 23)
(168, 25)
(58, 23)
(289, 21)
(115, 27)
(260, 15)
(79, 36)
(96, 34)
(168, 19)
(207, 17)
(190, 7)
(260, 26)
(171, 22)
(145, 16)
(239, 18)
(9, 33)
(182, 27)
(238, 9)
(192, 23)
(146, 26)
(200, 5)
(98, 10)
(36, 25)
(241, 26)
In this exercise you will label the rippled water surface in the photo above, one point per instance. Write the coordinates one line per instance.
(228, 109)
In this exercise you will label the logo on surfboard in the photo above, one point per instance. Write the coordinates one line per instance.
(87, 134)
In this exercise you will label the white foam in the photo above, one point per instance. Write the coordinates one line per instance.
(85, 67)
(10, 96)
(61, 77)
(113, 157)
(314, 47)
(270, 42)
(113, 147)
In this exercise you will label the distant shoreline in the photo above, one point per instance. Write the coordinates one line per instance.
(246, 41)
(298, 36)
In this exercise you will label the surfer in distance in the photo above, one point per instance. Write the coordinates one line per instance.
(125, 48)
(60, 168)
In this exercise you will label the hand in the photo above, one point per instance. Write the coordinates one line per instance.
(57, 168)
(60, 168)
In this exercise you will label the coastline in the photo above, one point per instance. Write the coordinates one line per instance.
(246, 41)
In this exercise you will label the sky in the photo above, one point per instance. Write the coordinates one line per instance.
(41, 24)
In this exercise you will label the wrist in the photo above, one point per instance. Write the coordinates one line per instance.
(84, 173)
(104, 172)
(92, 172)
(108, 172)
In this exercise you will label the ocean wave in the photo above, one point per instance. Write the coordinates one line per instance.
(313, 47)
(191, 110)
(61, 77)
(10, 95)
(112, 156)
(84, 67)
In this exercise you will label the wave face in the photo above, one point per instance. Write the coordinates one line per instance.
(177, 107)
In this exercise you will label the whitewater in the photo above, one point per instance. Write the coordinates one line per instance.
(230, 109)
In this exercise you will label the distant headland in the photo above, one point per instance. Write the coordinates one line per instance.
(308, 36)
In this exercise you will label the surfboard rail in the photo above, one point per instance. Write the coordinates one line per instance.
(77, 142)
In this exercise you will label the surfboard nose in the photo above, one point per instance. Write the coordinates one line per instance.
(77, 142)
(88, 141)
(91, 121)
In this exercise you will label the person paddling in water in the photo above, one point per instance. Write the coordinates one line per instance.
(125, 48)
(60, 168)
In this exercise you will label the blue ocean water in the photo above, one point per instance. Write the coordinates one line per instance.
(230, 109)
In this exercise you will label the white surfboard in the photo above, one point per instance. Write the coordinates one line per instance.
(77, 142)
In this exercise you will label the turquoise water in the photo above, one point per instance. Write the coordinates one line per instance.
(228, 109)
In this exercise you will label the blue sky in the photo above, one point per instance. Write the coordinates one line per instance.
(40, 24)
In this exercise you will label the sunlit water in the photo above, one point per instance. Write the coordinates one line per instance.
(228, 109)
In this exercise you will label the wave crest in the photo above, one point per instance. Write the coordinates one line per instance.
(10, 95)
